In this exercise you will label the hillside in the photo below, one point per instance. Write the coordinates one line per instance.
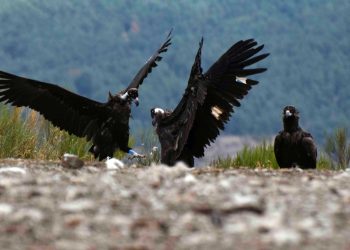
(95, 46)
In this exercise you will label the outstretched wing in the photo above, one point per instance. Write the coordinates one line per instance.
(74, 113)
(176, 127)
(227, 84)
(149, 65)
(209, 99)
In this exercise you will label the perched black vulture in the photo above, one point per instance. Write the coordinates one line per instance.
(207, 103)
(293, 146)
(105, 124)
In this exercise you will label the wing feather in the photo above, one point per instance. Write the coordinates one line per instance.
(223, 93)
(150, 64)
(209, 98)
(63, 108)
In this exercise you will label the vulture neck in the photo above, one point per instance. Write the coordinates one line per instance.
(291, 124)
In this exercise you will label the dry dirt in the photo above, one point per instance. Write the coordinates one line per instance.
(45, 206)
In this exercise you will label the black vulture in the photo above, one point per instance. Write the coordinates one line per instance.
(293, 146)
(105, 124)
(207, 103)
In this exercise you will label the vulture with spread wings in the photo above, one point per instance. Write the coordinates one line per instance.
(106, 124)
(207, 103)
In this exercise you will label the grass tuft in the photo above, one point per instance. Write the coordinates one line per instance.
(260, 156)
(26, 134)
(337, 148)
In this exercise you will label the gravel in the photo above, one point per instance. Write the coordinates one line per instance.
(44, 205)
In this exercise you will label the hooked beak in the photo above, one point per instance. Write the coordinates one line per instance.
(136, 101)
(154, 122)
(153, 116)
(287, 113)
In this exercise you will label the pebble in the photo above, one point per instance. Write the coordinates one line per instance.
(190, 179)
(25, 214)
(71, 161)
(284, 237)
(14, 170)
(77, 205)
(114, 164)
(5, 209)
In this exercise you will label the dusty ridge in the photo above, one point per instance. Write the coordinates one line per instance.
(46, 206)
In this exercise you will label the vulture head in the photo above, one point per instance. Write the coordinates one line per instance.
(131, 95)
(157, 114)
(290, 117)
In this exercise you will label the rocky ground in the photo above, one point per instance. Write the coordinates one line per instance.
(46, 206)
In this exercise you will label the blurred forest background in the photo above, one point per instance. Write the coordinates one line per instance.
(95, 46)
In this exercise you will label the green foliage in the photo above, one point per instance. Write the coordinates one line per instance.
(95, 46)
(28, 135)
(260, 156)
(17, 140)
(55, 142)
(337, 148)
(324, 163)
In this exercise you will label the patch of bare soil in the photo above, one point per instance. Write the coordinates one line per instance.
(45, 206)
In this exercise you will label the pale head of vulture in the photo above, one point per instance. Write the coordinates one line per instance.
(132, 95)
(290, 112)
(157, 114)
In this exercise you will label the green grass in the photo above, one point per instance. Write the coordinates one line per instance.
(26, 134)
(337, 148)
(260, 156)
(17, 138)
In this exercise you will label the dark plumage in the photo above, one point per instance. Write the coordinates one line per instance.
(105, 124)
(207, 103)
(293, 146)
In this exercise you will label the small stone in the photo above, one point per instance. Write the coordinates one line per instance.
(26, 214)
(72, 221)
(15, 170)
(285, 236)
(114, 164)
(189, 178)
(71, 161)
(5, 209)
(77, 205)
